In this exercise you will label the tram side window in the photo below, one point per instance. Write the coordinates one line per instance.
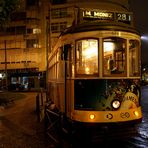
(134, 60)
(87, 56)
(114, 57)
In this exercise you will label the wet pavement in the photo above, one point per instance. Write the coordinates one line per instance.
(19, 125)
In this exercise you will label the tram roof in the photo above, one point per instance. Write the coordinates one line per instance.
(94, 25)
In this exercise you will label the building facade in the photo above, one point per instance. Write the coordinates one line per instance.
(23, 47)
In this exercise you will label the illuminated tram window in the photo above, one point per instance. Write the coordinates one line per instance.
(114, 57)
(134, 61)
(87, 56)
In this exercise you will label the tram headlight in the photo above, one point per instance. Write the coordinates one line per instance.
(116, 104)
(92, 116)
(136, 113)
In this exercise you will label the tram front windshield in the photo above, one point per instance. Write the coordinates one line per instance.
(93, 89)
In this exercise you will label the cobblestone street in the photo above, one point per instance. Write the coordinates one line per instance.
(19, 125)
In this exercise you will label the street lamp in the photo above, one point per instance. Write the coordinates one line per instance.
(144, 37)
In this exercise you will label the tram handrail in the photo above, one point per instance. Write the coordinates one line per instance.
(56, 114)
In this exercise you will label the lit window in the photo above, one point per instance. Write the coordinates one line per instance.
(87, 56)
(134, 61)
(114, 56)
(36, 31)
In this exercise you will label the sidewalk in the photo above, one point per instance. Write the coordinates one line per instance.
(19, 126)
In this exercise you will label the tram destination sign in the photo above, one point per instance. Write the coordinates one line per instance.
(100, 15)
(123, 17)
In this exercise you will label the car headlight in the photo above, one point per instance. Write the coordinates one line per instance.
(116, 104)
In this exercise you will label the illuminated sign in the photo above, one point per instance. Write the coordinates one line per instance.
(100, 15)
(123, 17)
(97, 15)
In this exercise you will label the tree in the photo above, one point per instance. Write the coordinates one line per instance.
(7, 7)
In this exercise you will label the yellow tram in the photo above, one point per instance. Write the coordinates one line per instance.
(94, 72)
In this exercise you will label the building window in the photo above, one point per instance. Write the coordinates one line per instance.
(32, 2)
(36, 31)
(12, 44)
(58, 27)
(11, 30)
(17, 16)
(33, 31)
(54, 2)
(59, 13)
(55, 28)
(32, 43)
(21, 30)
(16, 30)
(29, 30)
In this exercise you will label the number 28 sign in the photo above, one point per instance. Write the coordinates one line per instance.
(123, 17)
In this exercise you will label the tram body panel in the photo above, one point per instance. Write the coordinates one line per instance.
(56, 83)
(96, 34)
(106, 100)
(69, 97)
(107, 116)
(56, 94)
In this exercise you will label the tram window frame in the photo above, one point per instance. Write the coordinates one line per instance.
(115, 62)
(60, 63)
(80, 72)
(52, 67)
(134, 58)
(65, 55)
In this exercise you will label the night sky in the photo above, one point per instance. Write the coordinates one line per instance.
(140, 10)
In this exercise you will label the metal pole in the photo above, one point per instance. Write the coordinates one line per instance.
(6, 82)
(48, 47)
(47, 50)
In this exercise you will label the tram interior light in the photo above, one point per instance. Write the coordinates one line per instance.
(87, 70)
(108, 46)
(89, 55)
(90, 52)
(90, 49)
